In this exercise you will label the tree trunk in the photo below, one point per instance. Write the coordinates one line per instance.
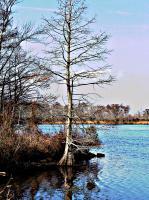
(68, 157)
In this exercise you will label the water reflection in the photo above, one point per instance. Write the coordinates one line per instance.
(68, 176)
(58, 183)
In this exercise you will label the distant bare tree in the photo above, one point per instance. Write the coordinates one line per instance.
(75, 58)
(146, 114)
(118, 111)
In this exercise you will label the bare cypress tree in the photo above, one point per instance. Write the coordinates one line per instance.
(75, 58)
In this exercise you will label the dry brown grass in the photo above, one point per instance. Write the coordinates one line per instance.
(17, 149)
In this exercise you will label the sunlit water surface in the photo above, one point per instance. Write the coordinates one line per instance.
(122, 175)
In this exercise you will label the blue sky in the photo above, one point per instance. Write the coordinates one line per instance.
(128, 23)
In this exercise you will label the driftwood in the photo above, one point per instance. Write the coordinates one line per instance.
(2, 173)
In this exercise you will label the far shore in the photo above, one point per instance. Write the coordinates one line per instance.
(141, 122)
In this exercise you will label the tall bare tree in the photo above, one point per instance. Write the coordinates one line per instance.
(75, 58)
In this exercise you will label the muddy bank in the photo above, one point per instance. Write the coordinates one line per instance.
(81, 159)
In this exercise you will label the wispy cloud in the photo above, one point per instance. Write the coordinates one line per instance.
(36, 9)
(123, 13)
(125, 29)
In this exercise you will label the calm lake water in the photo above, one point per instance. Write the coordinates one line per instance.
(122, 175)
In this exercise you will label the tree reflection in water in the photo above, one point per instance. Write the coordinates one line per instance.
(59, 183)
(68, 176)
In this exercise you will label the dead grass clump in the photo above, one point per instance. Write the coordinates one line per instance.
(16, 149)
(20, 149)
(88, 138)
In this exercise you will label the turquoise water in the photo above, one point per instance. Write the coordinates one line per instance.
(125, 171)
(122, 175)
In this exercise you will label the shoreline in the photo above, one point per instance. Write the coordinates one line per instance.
(143, 122)
(30, 166)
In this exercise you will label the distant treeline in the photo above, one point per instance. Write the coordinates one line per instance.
(57, 113)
